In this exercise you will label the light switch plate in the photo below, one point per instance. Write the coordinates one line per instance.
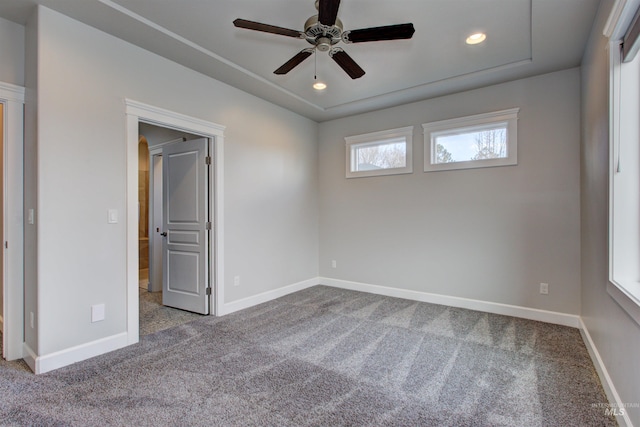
(113, 216)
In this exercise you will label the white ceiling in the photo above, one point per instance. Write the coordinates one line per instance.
(524, 38)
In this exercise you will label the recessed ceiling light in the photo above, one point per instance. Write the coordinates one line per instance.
(319, 86)
(476, 38)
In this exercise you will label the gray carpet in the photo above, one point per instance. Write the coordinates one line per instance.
(324, 357)
(155, 317)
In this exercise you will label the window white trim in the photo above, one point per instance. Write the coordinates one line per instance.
(624, 284)
(404, 134)
(469, 124)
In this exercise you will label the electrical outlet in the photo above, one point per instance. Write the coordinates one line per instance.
(334, 264)
(236, 281)
(97, 313)
(544, 288)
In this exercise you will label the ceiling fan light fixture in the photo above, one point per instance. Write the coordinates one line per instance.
(319, 86)
(476, 38)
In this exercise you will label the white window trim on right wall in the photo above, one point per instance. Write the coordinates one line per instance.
(624, 284)
(469, 124)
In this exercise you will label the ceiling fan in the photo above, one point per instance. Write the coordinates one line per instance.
(324, 31)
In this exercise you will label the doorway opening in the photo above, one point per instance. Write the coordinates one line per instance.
(143, 211)
(156, 313)
(138, 113)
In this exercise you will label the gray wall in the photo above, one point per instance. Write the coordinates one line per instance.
(488, 234)
(615, 334)
(12, 42)
(270, 185)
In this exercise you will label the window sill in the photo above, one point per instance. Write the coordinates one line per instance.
(379, 172)
(471, 164)
(627, 295)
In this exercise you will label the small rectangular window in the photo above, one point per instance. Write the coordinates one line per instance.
(380, 153)
(483, 140)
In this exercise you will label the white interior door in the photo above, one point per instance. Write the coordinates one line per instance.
(185, 275)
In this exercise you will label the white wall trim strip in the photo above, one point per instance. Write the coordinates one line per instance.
(166, 118)
(471, 304)
(13, 98)
(49, 362)
(557, 318)
(241, 304)
(614, 17)
(46, 363)
(605, 379)
(12, 92)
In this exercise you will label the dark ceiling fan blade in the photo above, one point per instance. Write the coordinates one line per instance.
(346, 63)
(294, 62)
(373, 34)
(328, 11)
(266, 28)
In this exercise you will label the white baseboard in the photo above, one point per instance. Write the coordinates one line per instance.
(49, 362)
(605, 379)
(241, 304)
(471, 304)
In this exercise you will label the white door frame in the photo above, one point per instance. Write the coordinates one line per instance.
(138, 112)
(155, 215)
(13, 281)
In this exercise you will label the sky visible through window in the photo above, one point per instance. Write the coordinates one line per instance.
(467, 146)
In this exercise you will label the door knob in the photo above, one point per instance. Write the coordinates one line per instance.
(164, 234)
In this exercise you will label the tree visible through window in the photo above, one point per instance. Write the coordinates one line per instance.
(382, 156)
(477, 141)
(491, 144)
(469, 146)
(386, 152)
(442, 155)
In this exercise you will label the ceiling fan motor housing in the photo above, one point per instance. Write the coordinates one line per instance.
(322, 36)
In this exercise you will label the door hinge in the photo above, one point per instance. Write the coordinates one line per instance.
(207, 160)
(208, 225)
(208, 291)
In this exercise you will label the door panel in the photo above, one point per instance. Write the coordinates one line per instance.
(185, 216)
